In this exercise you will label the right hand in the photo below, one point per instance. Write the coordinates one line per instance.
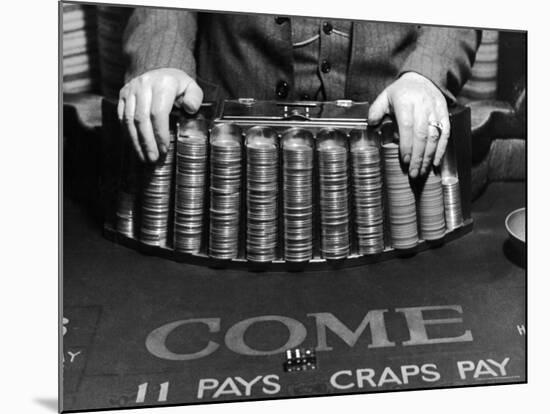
(144, 107)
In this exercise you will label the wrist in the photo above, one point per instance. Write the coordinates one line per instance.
(414, 76)
(418, 77)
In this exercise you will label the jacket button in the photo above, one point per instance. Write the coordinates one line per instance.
(280, 20)
(327, 28)
(325, 66)
(282, 89)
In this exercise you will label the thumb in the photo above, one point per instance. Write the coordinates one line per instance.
(189, 97)
(379, 108)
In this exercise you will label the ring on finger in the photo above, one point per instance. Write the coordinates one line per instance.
(437, 125)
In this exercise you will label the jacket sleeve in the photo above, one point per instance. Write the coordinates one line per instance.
(159, 38)
(445, 56)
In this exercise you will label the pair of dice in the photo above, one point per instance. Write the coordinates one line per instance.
(300, 359)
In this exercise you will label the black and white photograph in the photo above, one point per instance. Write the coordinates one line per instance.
(275, 206)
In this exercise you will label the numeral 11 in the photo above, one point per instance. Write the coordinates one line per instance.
(142, 392)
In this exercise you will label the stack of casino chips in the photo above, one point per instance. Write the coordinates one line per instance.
(367, 190)
(125, 215)
(80, 54)
(334, 203)
(453, 205)
(111, 21)
(127, 199)
(401, 200)
(431, 210)
(155, 199)
(298, 195)
(190, 190)
(225, 191)
(262, 162)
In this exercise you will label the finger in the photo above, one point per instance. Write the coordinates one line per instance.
(445, 134)
(120, 108)
(161, 105)
(431, 144)
(419, 140)
(379, 108)
(142, 120)
(405, 123)
(189, 95)
(128, 119)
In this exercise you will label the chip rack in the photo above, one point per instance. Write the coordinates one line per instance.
(245, 120)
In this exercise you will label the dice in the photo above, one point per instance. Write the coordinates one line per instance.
(300, 359)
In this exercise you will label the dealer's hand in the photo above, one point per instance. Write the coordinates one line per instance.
(145, 103)
(422, 118)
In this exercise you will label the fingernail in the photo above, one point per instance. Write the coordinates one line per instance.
(414, 172)
(152, 156)
(192, 107)
(407, 158)
(163, 148)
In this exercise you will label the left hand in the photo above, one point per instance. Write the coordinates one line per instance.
(416, 102)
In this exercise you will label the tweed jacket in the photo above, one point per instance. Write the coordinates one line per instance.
(241, 55)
